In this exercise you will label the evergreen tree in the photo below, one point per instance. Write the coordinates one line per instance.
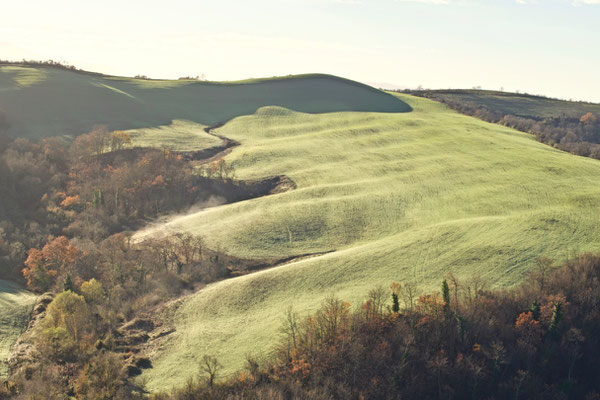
(68, 283)
(556, 318)
(395, 303)
(446, 297)
(535, 310)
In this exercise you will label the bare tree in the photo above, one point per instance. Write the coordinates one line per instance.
(409, 295)
(210, 366)
(289, 328)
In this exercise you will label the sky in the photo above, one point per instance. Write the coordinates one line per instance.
(548, 47)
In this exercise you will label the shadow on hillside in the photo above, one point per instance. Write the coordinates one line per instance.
(72, 103)
(8, 287)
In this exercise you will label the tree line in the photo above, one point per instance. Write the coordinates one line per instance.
(539, 340)
(41, 63)
(577, 134)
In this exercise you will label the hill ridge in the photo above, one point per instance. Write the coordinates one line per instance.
(47, 101)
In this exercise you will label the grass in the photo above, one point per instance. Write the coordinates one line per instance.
(399, 197)
(520, 104)
(21, 77)
(42, 102)
(15, 306)
(179, 136)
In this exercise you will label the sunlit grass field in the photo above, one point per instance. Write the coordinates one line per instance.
(177, 136)
(398, 197)
(15, 306)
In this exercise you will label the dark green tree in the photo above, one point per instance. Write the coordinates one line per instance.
(446, 297)
(556, 318)
(535, 310)
(68, 283)
(395, 303)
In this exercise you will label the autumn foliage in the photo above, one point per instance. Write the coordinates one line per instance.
(537, 341)
(42, 266)
(588, 119)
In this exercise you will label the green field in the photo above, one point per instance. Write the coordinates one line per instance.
(397, 197)
(15, 306)
(522, 105)
(179, 136)
(43, 102)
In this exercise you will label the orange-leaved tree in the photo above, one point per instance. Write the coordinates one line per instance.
(588, 119)
(119, 140)
(42, 267)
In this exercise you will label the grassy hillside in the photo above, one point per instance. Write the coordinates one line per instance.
(399, 197)
(15, 306)
(522, 105)
(179, 136)
(573, 127)
(42, 102)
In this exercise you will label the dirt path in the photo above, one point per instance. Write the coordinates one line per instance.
(211, 154)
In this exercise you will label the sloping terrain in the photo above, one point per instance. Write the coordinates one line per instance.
(15, 306)
(43, 102)
(521, 105)
(183, 136)
(398, 197)
(573, 127)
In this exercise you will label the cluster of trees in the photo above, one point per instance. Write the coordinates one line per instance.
(27, 172)
(41, 63)
(66, 210)
(90, 189)
(539, 340)
(201, 77)
(101, 286)
(578, 134)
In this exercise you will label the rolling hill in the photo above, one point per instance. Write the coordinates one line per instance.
(388, 194)
(519, 104)
(41, 102)
(567, 125)
(394, 197)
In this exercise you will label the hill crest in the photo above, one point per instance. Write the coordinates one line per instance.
(49, 101)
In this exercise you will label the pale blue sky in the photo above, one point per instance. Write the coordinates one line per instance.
(549, 47)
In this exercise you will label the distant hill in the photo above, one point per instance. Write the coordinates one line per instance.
(518, 104)
(572, 126)
(48, 101)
